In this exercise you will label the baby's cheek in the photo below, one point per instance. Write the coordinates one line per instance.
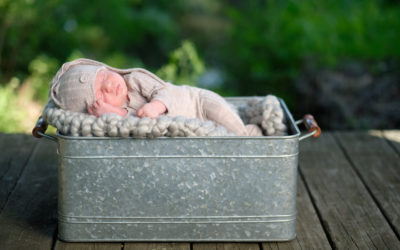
(107, 99)
(112, 100)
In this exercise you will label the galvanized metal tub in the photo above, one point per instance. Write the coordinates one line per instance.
(178, 189)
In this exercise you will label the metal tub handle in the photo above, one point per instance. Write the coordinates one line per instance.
(311, 125)
(40, 128)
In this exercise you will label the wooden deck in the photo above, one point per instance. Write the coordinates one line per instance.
(348, 196)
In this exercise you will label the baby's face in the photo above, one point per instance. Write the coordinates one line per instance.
(111, 87)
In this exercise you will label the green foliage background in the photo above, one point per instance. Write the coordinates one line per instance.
(251, 47)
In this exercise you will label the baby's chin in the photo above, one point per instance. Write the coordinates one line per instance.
(122, 102)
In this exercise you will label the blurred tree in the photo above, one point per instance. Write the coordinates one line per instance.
(10, 113)
(270, 42)
(184, 66)
(21, 29)
(256, 47)
(131, 32)
(42, 70)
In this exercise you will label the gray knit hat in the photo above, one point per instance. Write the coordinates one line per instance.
(74, 88)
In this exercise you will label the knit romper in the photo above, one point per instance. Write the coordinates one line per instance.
(187, 101)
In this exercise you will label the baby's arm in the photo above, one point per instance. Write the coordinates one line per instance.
(154, 90)
(152, 109)
(100, 107)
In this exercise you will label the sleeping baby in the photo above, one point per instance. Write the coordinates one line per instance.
(85, 85)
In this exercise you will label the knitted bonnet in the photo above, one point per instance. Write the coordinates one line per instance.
(73, 86)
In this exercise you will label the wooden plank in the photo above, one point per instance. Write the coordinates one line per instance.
(226, 246)
(61, 245)
(28, 220)
(15, 150)
(393, 136)
(379, 167)
(310, 234)
(348, 212)
(157, 246)
(204, 246)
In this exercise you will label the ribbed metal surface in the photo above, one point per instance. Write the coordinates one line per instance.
(178, 189)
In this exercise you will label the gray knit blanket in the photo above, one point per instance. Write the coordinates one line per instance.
(265, 112)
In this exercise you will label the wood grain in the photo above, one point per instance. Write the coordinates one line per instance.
(348, 212)
(379, 167)
(60, 245)
(28, 220)
(157, 246)
(393, 137)
(310, 234)
(15, 150)
(226, 246)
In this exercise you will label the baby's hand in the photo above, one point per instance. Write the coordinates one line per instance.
(100, 107)
(152, 109)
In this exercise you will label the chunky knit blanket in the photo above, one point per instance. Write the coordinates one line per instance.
(265, 112)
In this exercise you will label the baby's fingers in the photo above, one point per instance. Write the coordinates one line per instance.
(89, 108)
(140, 113)
(99, 96)
(97, 104)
